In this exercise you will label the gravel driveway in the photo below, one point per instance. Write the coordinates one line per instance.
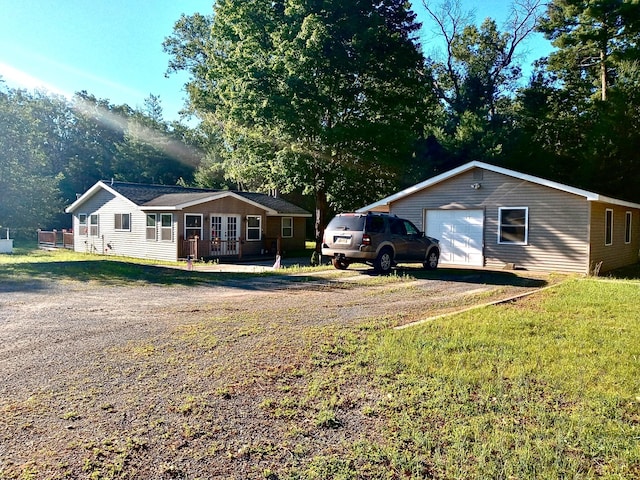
(175, 381)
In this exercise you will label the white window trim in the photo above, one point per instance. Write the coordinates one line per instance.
(259, 228)
(628, 227)
(85, 225)
(121, 217)
(282, 227)
(605, 227)
(190, 228)
(97, 224)
(526, 225)
(170, 228)
(155, 227)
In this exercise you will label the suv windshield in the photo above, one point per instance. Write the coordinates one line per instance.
(347, 222)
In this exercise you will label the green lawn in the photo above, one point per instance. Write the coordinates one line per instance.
(547, 387)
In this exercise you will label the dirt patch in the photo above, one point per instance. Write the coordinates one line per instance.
(242, 380)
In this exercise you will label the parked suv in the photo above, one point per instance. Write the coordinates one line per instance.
(377, 239)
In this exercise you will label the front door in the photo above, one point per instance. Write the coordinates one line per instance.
(224, 234)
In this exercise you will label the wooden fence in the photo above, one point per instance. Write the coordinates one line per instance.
(55, 239)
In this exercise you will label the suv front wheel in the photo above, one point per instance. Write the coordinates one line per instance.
(431, 263)
(384, 261)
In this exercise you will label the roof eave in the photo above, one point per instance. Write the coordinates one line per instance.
(589, 196)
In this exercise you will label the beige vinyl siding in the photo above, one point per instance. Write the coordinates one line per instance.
(619, 253)
(558, 221)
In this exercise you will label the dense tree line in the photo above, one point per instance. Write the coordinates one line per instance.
(337, 103)
(52, 149)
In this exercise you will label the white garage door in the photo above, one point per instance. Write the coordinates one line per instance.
(460, 235)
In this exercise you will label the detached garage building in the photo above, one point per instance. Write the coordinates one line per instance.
(491, 216)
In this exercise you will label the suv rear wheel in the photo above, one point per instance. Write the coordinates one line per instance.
(340, 263)
(384, 261)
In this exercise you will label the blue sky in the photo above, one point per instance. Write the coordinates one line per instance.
(113, 48)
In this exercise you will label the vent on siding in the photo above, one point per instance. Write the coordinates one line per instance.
(478, 174)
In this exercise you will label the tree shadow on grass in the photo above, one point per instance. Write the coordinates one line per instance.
(483, 277)
(630, 272)
(37, 276)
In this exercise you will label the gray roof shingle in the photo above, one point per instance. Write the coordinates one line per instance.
(172, 195)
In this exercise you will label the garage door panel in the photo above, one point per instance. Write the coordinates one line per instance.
(460, 233)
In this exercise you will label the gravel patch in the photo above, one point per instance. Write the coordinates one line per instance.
(229, 381)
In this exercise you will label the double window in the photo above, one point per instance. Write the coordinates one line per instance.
(513, 225)
(122, 222)
(162, 220)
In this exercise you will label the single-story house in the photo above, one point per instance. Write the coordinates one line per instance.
(166, 222)
(495, 217)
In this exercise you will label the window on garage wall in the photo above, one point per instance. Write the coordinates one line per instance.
(608, 227)
(513, 226)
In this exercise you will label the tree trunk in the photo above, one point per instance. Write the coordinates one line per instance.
(603, 75)
(321, 214)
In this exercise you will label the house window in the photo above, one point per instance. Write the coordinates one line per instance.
(287, 227)
(82, 224)
(254, 227)
(627, 227)
(514, 225)
(94, 231)
(151, 232)
(166, 227)
(608, 227)
(122, 222)
(192, 225)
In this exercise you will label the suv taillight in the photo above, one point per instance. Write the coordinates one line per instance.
(366, 239)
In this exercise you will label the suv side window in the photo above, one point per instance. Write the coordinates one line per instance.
(375, 224)
(410, 228)
(397, 227)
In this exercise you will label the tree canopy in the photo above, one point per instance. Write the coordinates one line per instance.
(52, 149)
(327, 96)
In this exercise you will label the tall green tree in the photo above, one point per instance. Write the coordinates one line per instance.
(477, 77)
(578, 118)
(29, 197)
(593, 39)
(321, 94)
